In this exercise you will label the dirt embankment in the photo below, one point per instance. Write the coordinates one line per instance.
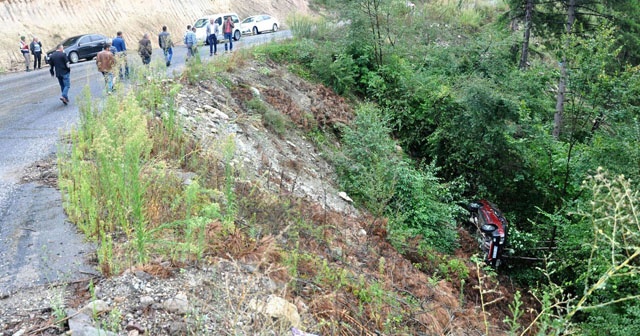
(53, 20)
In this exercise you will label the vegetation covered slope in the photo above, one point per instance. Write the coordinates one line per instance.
(444, 111)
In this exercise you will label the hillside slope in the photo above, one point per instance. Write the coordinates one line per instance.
(301, 243)
(53, 20)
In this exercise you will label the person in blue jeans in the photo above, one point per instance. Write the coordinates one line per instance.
(59, 67)
(164, 41)
(213, 29)
(191, 42)
(121, 53)
(227, 29)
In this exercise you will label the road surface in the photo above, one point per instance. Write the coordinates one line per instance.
(37, 243)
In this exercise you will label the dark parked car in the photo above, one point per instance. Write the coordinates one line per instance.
(493, 230)
(79, 47)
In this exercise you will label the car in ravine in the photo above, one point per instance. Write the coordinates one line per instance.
(493, 229)
(79, 47)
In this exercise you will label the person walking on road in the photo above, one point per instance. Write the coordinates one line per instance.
(191, 42)
(36, 51)
(164, 41)
(24, 49)
(213, 29)
(121, 53)
(106, 61)
(60, 68)
(227, 29)
(144, 49)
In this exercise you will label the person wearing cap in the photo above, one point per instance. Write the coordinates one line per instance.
(24, 49)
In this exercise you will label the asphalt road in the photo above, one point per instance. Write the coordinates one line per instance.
(37, 243)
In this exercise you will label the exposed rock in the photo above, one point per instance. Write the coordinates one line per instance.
(131, 326)
(19, 332)
(82, 325)
(178, 304)
(146, 301)
(345, 197)
(277, 307)
(177, 328)
(95, 307)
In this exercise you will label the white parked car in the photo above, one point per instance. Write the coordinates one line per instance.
(201, 26)
(259, 23)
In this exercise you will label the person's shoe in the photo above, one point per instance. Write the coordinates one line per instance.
(210, 54)
(168, 63)
(64, 100)
(215, 53)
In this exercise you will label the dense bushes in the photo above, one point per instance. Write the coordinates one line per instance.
(379, 176)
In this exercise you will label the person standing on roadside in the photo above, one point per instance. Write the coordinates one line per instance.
(121, 53)
(145, 49)
(24, 49)
(213, 29)
(191, 42)
(164, 41)
(106, 61)
(59, 67)
(36, 51)
(227, 29)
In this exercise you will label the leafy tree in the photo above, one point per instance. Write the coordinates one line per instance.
(377, 176)
(598, 274)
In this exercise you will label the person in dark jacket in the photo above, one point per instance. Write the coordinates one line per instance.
(144, 49)
(36, 51)
(121, 54)
(60, 68)
(166, 44)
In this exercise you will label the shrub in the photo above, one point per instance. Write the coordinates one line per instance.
(373, 171)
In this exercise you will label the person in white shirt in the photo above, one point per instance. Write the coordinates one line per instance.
(213, 29)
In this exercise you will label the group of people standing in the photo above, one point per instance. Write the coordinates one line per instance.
(212, 31)
(34, 48)
(106, 60)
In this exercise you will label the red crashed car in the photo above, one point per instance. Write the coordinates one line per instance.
(493, 227)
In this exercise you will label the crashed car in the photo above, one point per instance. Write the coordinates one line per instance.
(493, 227)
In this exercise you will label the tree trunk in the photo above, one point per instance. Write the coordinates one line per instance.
(562, 83)
(528, 9)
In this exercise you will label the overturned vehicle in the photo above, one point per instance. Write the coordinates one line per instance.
(493, 227)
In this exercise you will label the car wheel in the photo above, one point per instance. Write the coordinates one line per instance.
(73, 57)
(255, 31)
(488, 228)
(475, 206)
(236, 35)
(275, 27)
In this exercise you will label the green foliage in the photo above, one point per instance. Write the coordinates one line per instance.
(376, 175)
(273, 120)
(516, 310)
(306, 27)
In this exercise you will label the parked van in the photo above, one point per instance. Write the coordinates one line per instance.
(201, 26)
